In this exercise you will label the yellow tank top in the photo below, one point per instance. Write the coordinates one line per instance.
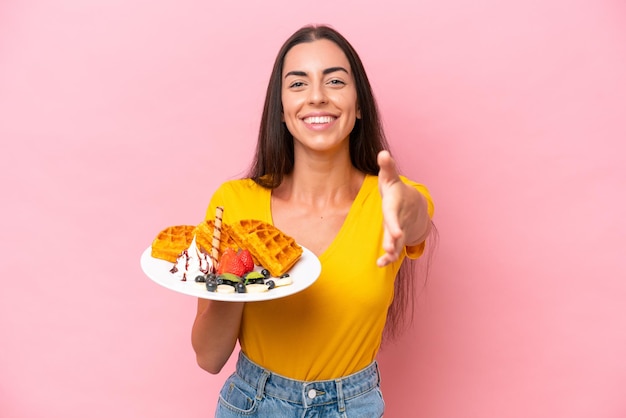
(334, 327)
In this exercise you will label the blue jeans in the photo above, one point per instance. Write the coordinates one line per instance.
(253, 391)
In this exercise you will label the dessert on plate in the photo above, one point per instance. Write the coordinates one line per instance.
(217, 253)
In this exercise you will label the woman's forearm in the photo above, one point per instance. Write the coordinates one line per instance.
(215, 332)
(417, 220)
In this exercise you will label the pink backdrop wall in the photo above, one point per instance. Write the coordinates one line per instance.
(119, 118)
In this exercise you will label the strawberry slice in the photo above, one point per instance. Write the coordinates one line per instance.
(231, 263)
(246, 259)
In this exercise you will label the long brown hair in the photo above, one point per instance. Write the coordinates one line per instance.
(274, 155)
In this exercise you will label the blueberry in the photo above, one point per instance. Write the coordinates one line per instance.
(270, 284)
(211, 286)
(240, 288)
(200, 279)
(266, 273)
(284, 275)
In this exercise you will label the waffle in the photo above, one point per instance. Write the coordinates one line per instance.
(270, 247)
(204, 237)
(172, 241)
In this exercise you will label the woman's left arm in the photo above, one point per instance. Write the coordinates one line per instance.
(405, 211)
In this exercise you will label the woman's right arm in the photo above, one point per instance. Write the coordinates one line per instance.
(215, 332)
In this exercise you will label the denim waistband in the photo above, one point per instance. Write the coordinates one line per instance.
(307, 393)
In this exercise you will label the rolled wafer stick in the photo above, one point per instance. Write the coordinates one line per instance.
(217, 233)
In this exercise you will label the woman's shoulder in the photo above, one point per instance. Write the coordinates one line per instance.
(243, 185)
(240, 199)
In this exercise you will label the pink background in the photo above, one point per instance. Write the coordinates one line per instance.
(119, 118)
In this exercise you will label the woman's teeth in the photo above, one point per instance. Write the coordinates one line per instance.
(319, 119)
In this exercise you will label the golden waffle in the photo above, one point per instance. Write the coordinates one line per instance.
(204, 237)
(270, 247)
(172, 241)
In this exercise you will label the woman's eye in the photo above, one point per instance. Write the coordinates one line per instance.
(336, 83)
(296, 84)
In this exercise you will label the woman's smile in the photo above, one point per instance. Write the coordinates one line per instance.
(319, 122)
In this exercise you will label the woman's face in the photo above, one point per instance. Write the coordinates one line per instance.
(319, 96)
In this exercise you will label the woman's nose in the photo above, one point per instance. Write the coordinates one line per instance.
(317, 94)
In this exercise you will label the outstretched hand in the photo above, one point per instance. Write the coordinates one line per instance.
(402, 207)
(388, 185)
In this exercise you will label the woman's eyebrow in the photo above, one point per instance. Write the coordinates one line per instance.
(325, 72)
(334, 69)
(296, 73)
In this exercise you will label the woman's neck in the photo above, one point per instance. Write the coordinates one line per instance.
(321, 182)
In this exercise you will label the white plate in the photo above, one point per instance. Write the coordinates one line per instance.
(304, 273)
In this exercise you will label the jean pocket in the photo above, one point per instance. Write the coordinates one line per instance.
(237, 396)
(366, 405)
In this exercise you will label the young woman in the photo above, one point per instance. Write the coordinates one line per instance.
(323, 175)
